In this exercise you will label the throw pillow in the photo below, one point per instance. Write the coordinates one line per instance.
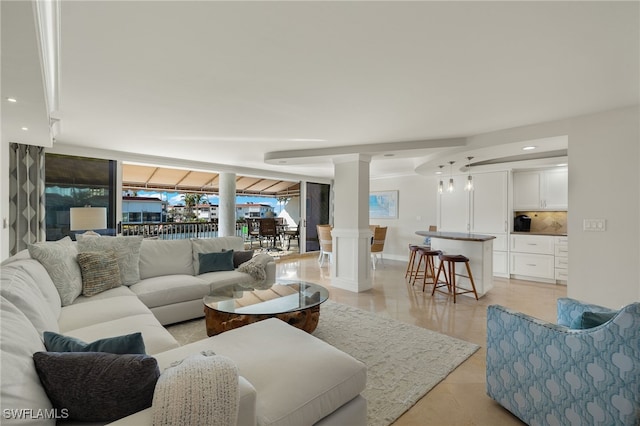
(241, 256)
(100, 271)
(213, 262)
(96, 386)
(127, 344)
(59, 259)
(594, 319)
(127, 250)
(200, 390)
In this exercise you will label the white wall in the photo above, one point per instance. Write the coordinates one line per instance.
(416, 211)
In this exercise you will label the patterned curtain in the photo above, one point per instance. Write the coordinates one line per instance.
(26, 196)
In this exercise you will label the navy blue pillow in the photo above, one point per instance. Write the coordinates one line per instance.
(127, 344)
(218, 261)
(594, 319)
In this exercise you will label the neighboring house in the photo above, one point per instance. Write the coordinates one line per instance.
(143, 210)
(253, 210)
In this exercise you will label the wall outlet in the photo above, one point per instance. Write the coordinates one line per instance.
(594, 225)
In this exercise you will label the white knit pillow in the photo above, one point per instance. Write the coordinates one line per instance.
(201, 390)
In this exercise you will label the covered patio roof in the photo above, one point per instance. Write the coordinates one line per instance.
(154, 178)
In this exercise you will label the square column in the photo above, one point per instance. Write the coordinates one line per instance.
(351, 267)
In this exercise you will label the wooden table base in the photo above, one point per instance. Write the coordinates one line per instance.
(218, 322)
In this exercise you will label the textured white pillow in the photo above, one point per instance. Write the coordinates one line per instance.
(59, 259)
(127, 251)
(201, 390)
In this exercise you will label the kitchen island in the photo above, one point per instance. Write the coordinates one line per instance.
(478, 248)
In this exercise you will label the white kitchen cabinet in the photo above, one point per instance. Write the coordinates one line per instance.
(541, 190)
(533, 265)
(539, 258)
(532, 257)
(489, 203)
(561, 254)
(555, 189)
(481, 211)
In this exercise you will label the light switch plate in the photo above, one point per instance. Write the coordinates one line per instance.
(594, 225)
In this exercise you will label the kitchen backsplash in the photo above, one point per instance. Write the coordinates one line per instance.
(547, 222)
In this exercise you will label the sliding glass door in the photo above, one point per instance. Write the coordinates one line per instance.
(317, 212)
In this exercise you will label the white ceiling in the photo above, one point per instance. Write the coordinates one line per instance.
(230, 82)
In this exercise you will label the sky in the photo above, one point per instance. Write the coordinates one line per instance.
(174, 198)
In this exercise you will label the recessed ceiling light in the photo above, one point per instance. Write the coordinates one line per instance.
(25, 128)
(12, 100)
(528, 148)
(439, 172)
(389, 155)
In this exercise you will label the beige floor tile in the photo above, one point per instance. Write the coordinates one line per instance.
(460, 399)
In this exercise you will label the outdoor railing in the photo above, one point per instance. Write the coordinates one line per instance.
(178, 230)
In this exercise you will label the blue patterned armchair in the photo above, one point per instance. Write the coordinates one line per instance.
(555, 374)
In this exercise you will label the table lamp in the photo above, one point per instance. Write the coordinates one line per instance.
(88, 219)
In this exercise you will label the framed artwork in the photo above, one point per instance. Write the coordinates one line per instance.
(383, 205)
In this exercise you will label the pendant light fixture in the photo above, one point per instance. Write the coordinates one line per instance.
(469, 185)
(441, 183)
(450, 186)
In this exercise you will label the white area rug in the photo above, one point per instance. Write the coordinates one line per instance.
(404, 362)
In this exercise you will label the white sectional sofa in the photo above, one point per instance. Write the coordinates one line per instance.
(286, 376)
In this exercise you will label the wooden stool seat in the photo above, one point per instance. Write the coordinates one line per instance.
(411, 271)
(427, 257)
(450, 275)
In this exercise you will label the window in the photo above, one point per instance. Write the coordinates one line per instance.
(76, 182)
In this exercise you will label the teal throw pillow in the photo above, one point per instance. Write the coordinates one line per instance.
(127, 344)
(214, 262)
(97, 386)
(594, 319)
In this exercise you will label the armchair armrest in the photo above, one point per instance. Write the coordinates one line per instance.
(548, 374)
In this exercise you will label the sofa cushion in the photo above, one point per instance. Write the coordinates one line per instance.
(208, 392)
(59, 259)
(127, 250)
(217, 261)
(331, 377)
(19, 288)
(222, 278)
(41, 278)
(156, 337)
(97, 386)
(123, 290)
(84, 314)
(169, 289)
(21, 388)
(160, 257)
(212, 245)
(100, 271)
(126, 344)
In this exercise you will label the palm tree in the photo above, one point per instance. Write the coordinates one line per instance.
(192, 200)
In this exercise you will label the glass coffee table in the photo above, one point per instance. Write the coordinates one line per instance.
(295, 302)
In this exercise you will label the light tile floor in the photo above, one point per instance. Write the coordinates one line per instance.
(460, 399)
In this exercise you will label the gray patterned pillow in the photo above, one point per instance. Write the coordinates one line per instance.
(127, 251)
(59, 259)
(100, 271)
